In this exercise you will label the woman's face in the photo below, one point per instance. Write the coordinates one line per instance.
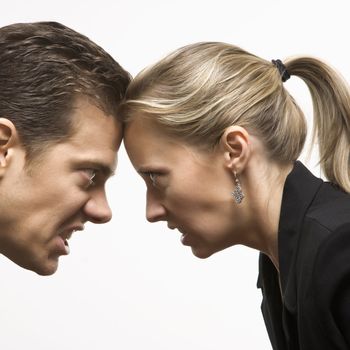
(188, 188)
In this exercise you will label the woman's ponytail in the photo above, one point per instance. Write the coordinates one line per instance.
(331, 105)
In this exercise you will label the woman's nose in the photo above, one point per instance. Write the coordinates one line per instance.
(155, 211)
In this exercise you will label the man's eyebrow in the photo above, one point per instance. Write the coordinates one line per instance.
(105, 169)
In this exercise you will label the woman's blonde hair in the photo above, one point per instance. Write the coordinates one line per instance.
(199, 90)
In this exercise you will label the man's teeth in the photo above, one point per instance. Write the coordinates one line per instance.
(66, 246)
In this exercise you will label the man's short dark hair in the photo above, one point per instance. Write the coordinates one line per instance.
(44, 67)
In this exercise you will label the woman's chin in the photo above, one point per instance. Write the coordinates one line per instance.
(201, 253)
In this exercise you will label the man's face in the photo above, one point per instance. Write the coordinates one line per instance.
(43, 204)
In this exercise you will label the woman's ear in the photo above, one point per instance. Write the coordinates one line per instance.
(8, 138)
(235, 142)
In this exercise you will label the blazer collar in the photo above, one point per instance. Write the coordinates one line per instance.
(299, 191)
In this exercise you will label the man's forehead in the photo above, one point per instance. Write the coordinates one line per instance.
(85, 110)
(95, 130)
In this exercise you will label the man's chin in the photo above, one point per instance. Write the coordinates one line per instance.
(42, 268)
(46, 271)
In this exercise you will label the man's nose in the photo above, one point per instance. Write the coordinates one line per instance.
(97, 209)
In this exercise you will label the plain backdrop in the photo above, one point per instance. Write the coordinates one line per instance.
(131, 285)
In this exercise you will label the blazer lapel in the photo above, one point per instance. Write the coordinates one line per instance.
(279, 305)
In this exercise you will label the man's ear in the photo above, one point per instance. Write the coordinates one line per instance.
(236, 146)
(8, 139)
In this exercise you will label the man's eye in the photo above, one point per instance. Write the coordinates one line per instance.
(90, 174)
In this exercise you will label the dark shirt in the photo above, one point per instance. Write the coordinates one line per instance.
(307, 305)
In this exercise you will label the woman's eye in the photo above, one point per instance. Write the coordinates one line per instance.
(153, 177)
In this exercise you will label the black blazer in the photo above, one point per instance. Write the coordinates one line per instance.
(307, 306)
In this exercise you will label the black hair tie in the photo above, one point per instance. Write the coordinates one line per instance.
(282, 69)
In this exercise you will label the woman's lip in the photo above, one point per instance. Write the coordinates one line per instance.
(184, 236)
(185, 239)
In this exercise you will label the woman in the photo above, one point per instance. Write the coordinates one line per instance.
(216, 137)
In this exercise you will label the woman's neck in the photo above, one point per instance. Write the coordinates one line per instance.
(264, 191)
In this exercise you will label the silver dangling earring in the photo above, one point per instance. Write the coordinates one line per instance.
(237, 192)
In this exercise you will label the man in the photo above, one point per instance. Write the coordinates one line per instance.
(59, 138)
